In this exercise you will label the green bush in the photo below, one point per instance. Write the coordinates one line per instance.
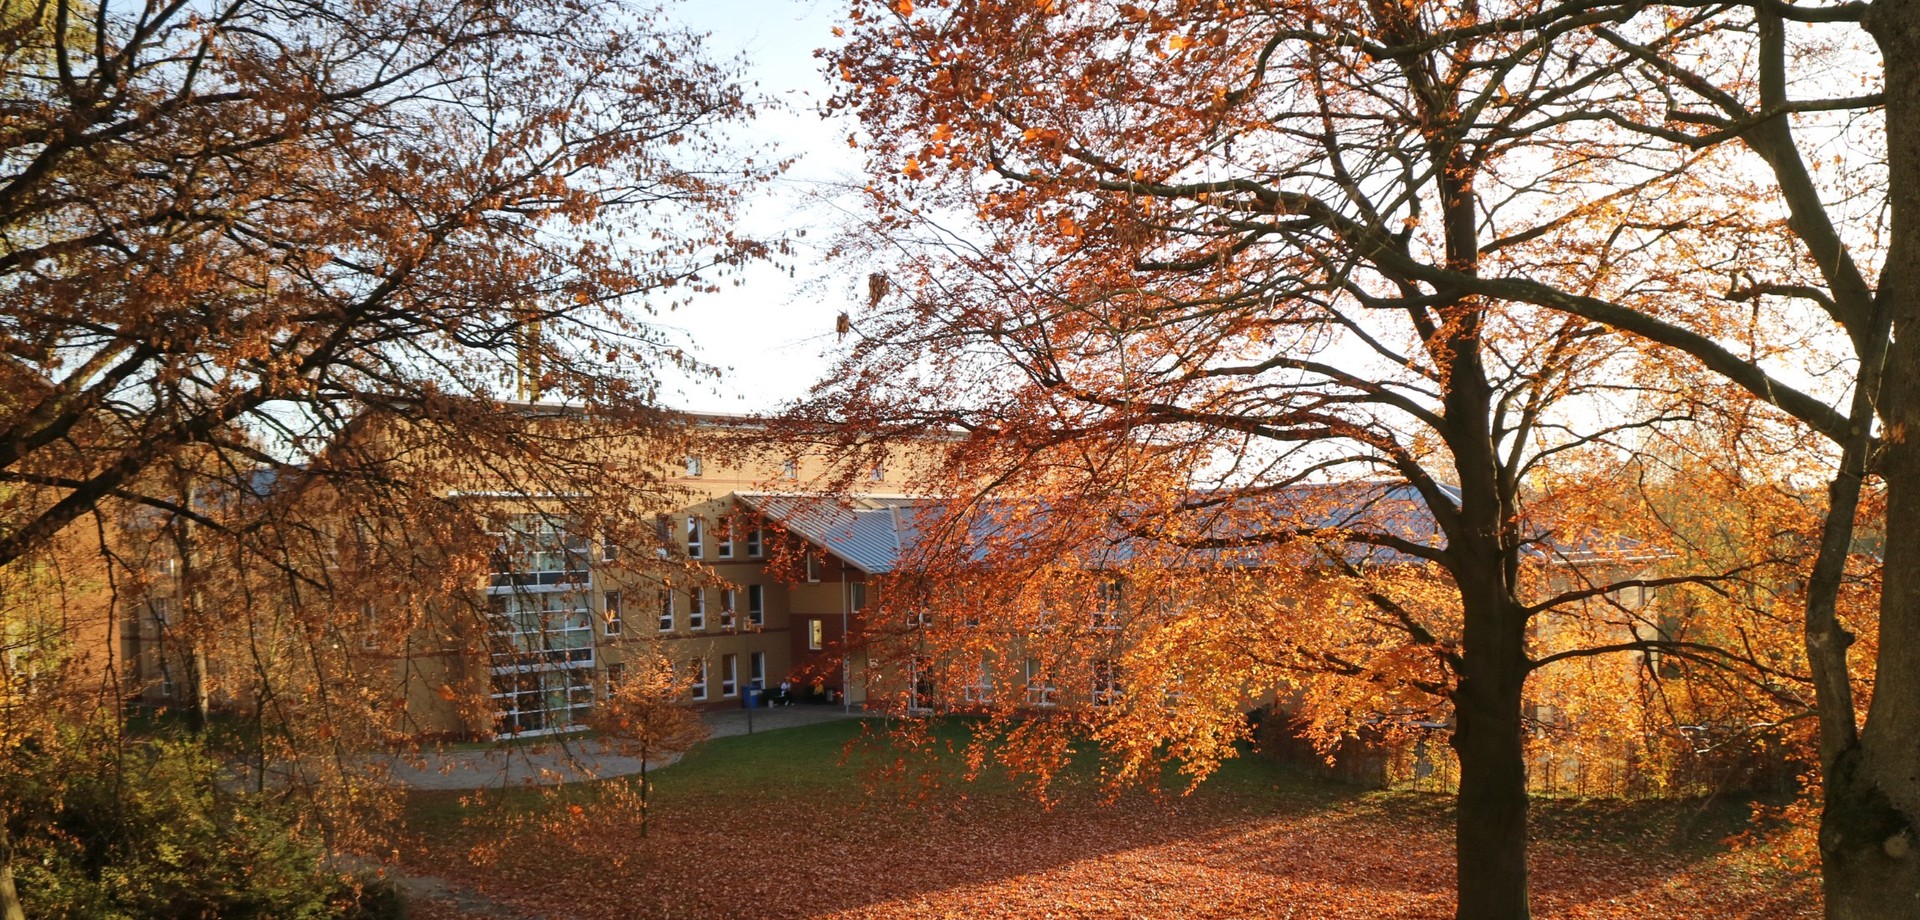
(150, 830)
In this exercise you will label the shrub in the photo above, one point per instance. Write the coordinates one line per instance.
(155, 830)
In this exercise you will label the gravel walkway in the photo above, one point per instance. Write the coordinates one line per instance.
(565, 760)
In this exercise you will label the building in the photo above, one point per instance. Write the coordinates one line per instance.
(740, 577)
(565, 598)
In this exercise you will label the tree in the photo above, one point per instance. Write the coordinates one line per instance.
(1849, 268)
(268, 218)
(1214, 262)
(642, 717)
(293, 289)
(147, 830)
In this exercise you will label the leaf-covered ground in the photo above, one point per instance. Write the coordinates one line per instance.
(777, 825)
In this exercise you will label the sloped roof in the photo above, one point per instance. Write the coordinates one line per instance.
(866, 532)
(1391, 509)
(872, 532)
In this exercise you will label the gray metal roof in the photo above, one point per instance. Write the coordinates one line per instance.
(872, 533)
(866, 532)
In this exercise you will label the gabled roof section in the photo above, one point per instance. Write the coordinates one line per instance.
(866, 532)
(1393, 510)
(873, 532)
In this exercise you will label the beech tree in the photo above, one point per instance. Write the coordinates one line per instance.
(1839, 192)
(236, 237)
(284, 281)
(241, 226)
(1204, 255)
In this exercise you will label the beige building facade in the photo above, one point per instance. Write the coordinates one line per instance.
(737, 605)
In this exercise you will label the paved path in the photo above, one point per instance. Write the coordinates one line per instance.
(564, 760)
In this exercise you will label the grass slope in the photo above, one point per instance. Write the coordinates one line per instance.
(794, 824)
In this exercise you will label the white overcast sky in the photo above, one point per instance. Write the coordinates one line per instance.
(771, 334)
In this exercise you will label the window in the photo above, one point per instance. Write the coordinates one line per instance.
(609, 551)
(812, 561)
(697, 682)
(694, 547)
(616, 675)
(729, 675)
(726, 608)
(695, 467)
(696, 609)
(857, 596)
(816, 635)
(723, 541)
(756, 605)
(754, 546)
(917, 619)
(1106, 683)
(369, 626)
(1040, 688)
(663, 533)
(1176, 691)
(790, 469)
(533, 628)
(757, 670)
(879, 472)
(981, 690)
(612, 613)
(539, 550)
(920, 684)
(666, 611)
(538, 702)
(1106, 606)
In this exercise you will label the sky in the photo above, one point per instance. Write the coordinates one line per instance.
(771, 335)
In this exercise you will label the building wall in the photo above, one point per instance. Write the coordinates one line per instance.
(437, 679)
(723, 558)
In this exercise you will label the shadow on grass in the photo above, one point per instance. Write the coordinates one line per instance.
(784, 824)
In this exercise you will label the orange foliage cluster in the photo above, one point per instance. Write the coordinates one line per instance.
(1225, 253)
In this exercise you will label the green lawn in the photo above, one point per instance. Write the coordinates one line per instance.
(834, 762)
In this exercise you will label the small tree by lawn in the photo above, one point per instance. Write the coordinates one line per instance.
(642, 717)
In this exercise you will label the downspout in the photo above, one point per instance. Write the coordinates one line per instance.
(846, 645)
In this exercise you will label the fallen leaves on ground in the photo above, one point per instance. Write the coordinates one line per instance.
(1226, 855)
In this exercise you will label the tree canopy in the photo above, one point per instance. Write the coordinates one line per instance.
(287, 286)
(1188, 254)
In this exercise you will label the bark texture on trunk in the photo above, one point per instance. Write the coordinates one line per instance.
(1870, 858)
(1490, 830)
(1868, 867)
(10, 908)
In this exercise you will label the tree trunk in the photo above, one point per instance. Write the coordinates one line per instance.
(1490, 827)
(199, 712)
(10, 908)
(643, 790)
(1861, 876)
(1868, 867)
(1870, 858)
